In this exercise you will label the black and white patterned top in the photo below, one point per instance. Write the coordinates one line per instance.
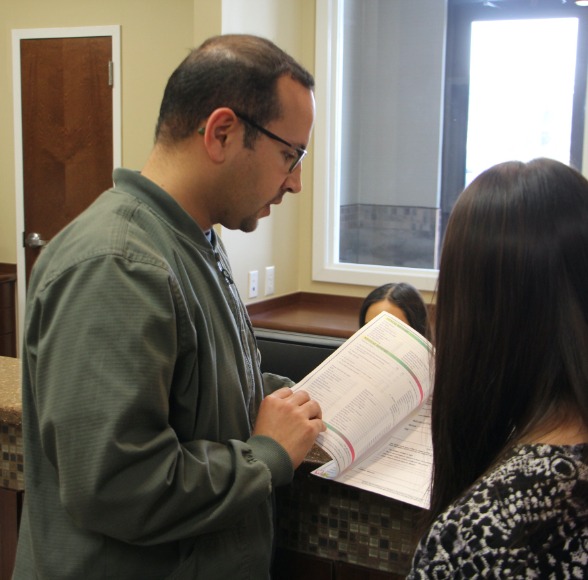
(527, 518)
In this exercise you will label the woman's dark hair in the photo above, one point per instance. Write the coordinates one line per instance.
(403, 295)
(238, 71)
(511, 326)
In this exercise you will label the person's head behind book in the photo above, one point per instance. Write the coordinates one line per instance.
(401, 300)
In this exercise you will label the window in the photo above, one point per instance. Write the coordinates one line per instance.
(403, 122)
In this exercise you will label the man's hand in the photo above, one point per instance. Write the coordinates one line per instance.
(292, 419)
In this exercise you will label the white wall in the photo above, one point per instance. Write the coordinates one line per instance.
(275, 241)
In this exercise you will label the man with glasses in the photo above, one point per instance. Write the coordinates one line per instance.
(298, 152)
(151, 451)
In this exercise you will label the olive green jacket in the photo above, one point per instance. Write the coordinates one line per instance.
(140, 388)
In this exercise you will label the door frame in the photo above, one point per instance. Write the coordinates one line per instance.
(113, 32)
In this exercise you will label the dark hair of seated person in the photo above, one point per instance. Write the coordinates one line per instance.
(405, 297)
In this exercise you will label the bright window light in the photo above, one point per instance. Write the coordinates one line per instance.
(521, 91)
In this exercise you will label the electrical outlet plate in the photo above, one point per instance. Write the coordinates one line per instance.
(253, 284)
(270, 279)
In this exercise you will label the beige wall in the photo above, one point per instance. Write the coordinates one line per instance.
(276, 240)
(155, 36)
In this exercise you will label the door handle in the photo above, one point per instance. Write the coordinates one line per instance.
(34, 240)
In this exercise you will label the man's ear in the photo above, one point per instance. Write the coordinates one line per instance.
(222, 130)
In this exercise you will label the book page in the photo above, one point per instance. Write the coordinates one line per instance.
(368, 385)
(399, 466)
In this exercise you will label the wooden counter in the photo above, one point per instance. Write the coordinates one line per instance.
(308, 313)
(10, 394)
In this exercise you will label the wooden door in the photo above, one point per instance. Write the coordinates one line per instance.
(67, 132)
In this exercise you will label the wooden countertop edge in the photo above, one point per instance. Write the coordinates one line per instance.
(13, 418)
(308, 313)
(305, 299)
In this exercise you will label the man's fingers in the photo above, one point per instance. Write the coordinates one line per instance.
(314, 409)
(297, 397)
(282, 393)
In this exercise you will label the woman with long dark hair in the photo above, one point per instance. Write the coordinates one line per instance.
(510, 402)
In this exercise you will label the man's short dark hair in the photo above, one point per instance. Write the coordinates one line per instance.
(237, 71)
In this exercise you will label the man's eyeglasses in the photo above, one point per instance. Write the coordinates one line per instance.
(300, 153)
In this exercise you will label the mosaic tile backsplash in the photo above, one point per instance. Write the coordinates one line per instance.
(11, 453)
(345, 524)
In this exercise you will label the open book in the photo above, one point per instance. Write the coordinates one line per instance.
(374, 391)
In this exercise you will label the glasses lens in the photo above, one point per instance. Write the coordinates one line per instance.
(301, 153)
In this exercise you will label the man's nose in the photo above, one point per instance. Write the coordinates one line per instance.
(293, 183)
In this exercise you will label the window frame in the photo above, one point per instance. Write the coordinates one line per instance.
(327, 137)
(326, 266)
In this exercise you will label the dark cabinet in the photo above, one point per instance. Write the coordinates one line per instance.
(345, 571)
(291, 565)
(10, 508)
